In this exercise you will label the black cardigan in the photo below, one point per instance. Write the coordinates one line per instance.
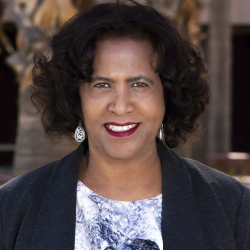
(201, 209)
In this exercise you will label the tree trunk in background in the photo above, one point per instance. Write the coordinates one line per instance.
(32, 149)
(219, 120)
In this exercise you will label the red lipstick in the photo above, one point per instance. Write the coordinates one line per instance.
(121, 134)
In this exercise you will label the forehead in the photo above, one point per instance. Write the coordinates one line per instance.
(118, 44)
(123, 53)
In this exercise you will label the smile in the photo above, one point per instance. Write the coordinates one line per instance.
(120, 128)
(121, 131)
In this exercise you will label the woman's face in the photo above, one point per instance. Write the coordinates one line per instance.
(123, 106)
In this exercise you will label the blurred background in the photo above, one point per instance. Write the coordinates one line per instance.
(219, 28)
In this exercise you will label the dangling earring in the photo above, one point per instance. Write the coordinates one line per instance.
(161, 132)
(80, 133)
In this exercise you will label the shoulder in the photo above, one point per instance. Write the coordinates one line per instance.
(20, 199)
(213, 177)
(24, 185)
(214, 185)
(216, 191)
(33, 184)
(216, 180)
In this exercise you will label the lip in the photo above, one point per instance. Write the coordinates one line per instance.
(121, 134)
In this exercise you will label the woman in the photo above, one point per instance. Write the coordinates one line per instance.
(119, 76)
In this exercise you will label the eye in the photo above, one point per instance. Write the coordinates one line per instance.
(139, 84)
(102, 85)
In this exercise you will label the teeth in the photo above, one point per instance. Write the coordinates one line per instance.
(121, 128)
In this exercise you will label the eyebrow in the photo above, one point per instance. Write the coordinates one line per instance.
(137, 78)
(130, 79)
(99, 78)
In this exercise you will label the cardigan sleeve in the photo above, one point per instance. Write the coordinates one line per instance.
(242, 233)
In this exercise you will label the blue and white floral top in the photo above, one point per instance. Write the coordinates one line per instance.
(105, 224)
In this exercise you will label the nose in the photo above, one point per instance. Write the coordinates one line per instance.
(121, 103)
(22, 6)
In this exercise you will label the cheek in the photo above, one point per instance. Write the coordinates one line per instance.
(92, 106)
(153, 107)
(88, 108)
(156, 100)
(86, 111)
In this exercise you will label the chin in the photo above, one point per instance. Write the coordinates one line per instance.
(123, 152)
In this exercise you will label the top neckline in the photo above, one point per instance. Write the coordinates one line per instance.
(90, 192)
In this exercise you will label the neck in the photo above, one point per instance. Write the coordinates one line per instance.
(126, 180)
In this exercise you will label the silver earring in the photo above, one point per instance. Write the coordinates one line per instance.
(161, 132)
(80, 133)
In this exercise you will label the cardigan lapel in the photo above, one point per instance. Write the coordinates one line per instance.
(55, 224)
(181, 227)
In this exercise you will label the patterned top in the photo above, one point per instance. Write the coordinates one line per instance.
(105, 224)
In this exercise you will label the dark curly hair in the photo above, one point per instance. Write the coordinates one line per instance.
(56, 80)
